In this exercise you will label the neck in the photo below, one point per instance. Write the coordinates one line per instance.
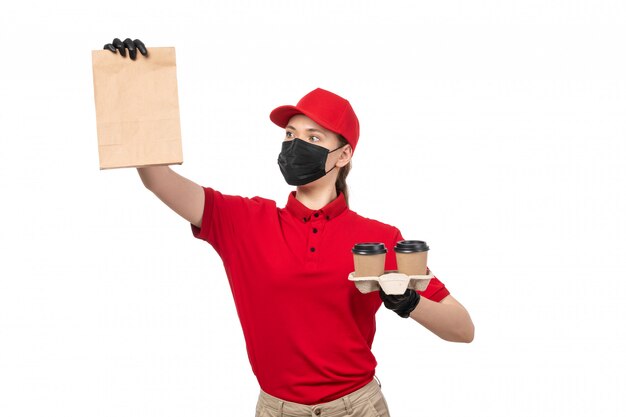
(316, 197)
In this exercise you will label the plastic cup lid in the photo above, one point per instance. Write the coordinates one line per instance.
(411, 246)
(369, 248)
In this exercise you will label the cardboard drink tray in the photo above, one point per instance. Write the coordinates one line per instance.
(392, 282)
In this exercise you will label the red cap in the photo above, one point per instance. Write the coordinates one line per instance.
(326, 109)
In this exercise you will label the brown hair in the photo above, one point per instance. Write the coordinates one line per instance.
(340, 183)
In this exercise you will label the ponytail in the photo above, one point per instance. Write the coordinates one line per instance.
(340, 184)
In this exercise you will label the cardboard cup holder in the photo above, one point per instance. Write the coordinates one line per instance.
(392, 282)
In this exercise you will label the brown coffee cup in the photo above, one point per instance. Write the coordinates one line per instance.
(369, 259)
(411, 257)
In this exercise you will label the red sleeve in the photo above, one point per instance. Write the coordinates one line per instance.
(436, 290)
(225, 218)
(202, 232)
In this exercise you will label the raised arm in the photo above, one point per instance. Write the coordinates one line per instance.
(183, 196)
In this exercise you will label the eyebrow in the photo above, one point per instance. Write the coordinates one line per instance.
(311, 129)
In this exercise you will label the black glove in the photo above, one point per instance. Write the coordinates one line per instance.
(128, 43)
(401, 304)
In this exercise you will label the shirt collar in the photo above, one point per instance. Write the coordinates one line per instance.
(329, 211)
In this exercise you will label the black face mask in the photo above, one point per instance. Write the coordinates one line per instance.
(302, 162)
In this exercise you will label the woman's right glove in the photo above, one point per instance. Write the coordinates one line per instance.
(132, 45)
(401, 304)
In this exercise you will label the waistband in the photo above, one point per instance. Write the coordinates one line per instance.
(334, 408)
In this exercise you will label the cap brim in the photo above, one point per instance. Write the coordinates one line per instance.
(281, 115)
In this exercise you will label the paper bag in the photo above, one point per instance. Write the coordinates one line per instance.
(137, 109)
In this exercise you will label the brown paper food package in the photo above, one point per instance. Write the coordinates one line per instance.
(137, 109)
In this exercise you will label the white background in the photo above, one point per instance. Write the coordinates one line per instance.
(492, 129)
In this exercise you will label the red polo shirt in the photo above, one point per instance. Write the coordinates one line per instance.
(308, 330)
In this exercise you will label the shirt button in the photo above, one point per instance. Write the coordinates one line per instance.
(304, 219)
(312, 249)
(318, 411)
(327, 217)
(314, 230)
(316, 214)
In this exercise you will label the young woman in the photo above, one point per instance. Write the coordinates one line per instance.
(308, 330)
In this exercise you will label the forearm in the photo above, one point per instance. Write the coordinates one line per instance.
(448, 320)
(152, 176)
(183, 196)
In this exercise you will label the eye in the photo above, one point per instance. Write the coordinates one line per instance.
(314, 139)
(288, 135)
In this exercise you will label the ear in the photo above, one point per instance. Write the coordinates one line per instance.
(344, 157)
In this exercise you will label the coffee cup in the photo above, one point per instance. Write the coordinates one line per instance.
(411, 257)
(369, 259)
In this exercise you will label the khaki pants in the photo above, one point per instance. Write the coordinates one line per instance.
(364, 402)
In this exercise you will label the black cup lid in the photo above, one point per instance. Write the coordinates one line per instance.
(369, 248)
(411, 246)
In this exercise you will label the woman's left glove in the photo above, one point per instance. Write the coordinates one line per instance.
(131, 45)
(402, 304)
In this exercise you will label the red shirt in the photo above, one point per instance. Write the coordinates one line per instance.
(308, 330)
